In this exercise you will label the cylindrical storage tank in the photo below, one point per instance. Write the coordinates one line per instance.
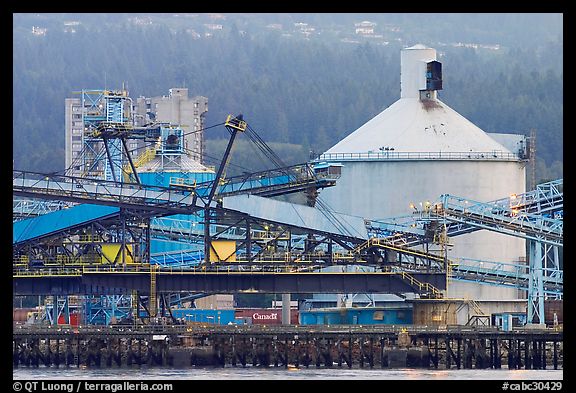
(417, 150)
(412, 61)
(179, 172)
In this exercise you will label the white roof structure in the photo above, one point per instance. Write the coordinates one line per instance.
(412, 125)
(418, 121)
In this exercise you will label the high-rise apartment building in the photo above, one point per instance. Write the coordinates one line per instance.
(178, 109)
(74, 134)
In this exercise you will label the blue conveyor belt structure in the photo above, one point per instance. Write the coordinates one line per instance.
(34, 228)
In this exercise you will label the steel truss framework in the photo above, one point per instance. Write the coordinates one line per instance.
(536, 216)
(517, 220)
(265, 247)
(304, 244)
(390, 242)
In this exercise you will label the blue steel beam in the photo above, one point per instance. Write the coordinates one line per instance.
(23, 208)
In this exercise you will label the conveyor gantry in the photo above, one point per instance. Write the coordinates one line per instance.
(535, 216)
(547, 199)
(160, 201)
(529, 215)
(507, 221)
(267, 183)
(270, 183)
(84, 190)
(516, 275)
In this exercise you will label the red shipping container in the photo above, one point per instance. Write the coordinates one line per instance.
(73, 319)
(266, 316)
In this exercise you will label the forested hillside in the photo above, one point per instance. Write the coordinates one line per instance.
(301, 92)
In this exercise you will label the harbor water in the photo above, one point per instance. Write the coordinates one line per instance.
(280, 373)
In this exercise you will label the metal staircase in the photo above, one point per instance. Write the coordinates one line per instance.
(152, 301)
(422, 288)
(478, 317)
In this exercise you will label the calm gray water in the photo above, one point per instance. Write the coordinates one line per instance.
(272, 373)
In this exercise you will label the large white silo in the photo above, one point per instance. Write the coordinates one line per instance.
(418, 149)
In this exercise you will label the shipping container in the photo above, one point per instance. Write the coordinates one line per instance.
(74, 319)
(217, 317)
(266, 316)
(21, 315)
(357, 316)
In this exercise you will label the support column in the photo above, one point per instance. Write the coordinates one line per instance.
(497, 354)
(436, 352)
(286, 309)
(458, 355)
(207, 239)
(555, 356)
(448, 342)
(535, 284)
(511, 355)
(492, 357)
(527, 357)
(54, 310)
(544, 354)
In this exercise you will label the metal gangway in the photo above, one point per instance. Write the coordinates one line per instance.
(533, 215)
(514, 275)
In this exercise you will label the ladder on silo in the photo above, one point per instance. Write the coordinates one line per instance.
(152, 298)
(135, 308)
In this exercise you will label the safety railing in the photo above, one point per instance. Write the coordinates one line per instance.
(93, 191)
(509, 221)
(422, 286)
(495, 155)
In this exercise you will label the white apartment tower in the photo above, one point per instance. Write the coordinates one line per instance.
(178, 109)
(74, 134)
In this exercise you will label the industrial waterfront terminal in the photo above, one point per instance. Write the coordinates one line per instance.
(413, 242)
